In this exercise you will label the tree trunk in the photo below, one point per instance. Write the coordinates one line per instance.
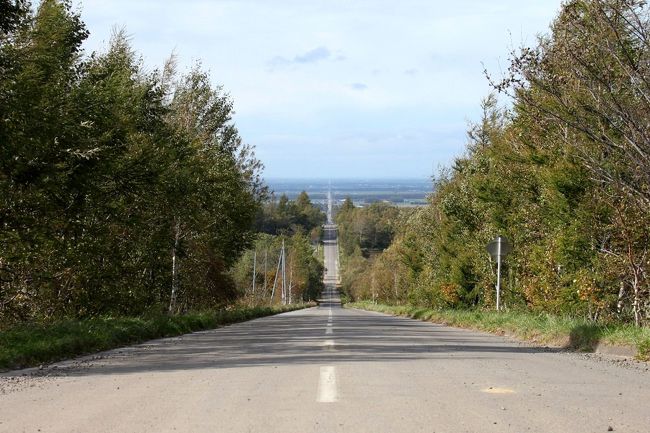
(396, 293)
(290, 284)
(636, 305)
(177, 237)
(266, 253)
(621, 295)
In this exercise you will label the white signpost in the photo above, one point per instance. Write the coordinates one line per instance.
(498, 248)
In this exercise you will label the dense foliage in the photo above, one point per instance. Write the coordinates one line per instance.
(368, 228)
(298, 224)
(123, 190)
(564, 174)
(363, 234)
(284, 216)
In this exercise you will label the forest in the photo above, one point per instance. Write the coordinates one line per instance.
(128, 190)
(125, 190)
(562, 169)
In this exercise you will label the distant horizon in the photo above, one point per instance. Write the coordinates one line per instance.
(399, 191)
(347, 178)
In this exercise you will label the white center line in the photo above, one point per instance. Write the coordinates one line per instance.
(327, 392)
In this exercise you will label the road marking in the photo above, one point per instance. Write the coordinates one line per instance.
(328, 344)
(328, 330)
(327, 385)
(492, 390)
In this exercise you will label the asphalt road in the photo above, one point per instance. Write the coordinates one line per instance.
(329, 369)
(331, 256)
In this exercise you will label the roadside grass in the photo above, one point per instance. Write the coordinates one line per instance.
(33, 344)
(546, 329)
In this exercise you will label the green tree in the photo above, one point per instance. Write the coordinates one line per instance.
(120, 184)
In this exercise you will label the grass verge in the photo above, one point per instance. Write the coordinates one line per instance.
(31, 345)
(546, 329)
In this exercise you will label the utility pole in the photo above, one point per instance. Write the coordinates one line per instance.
(275, 280)
(254, 269)
(284, 275)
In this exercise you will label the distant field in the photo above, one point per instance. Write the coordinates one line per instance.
(402, 192)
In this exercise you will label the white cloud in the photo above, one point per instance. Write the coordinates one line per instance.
(289, 65)
(312, 56)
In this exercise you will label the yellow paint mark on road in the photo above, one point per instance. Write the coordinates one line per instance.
(496, 390)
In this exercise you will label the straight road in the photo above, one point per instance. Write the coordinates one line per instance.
(331, 254)
(329, 369)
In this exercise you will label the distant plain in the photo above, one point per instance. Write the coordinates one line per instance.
(400, 192)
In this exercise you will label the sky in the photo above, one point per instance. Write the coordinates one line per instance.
(337, 88)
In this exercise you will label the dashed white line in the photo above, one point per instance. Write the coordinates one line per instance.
(327, 390)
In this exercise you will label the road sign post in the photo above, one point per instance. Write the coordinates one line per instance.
(499, 248)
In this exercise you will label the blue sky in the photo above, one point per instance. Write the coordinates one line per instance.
(337, 88)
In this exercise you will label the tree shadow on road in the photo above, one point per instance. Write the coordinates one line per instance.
(298, 338)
